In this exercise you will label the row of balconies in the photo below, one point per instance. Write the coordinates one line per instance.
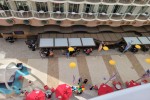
(112, 1)
(72, 15)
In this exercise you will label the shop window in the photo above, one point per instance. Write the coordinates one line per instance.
(19, 32)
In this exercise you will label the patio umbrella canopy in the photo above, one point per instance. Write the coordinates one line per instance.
(63, 92)
(104, 89)
(70, 49)
(36, 95)
(72, 65)
(105, 48)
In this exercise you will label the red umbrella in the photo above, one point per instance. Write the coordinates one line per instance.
(63, 92)
(35, 95)
(132, 84)
(104, 89)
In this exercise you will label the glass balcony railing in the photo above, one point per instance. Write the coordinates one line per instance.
(110, 1)
(58, 15)
(125, 1)
(77, 0)
(116, 16)
(73, 15)
(41, 14)
(5, 13)
(88, 15)
(93, 0)
(103, 16)
(141, 1)
(22, 14)
(129, 16)
(143, 16)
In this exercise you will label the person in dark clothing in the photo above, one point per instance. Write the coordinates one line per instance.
(85, 81)
(80, 80)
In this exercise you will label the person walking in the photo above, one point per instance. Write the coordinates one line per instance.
(79, 80)
(85, 81)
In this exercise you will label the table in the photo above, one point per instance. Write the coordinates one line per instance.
(61, 42)
(104, 89)
(144, 40)
(88, 42)
(132, 40)
(46, 42)
(74, 42)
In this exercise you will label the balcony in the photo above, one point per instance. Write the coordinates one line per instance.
(110, 1)
(5, 13)
(58, 15)
(77, 0)
(103, 16)
(125, 1)
(142, 16)
(41, 14)
(116, 16)
(73, 15)
(141, 1)
(129, 16)
(93, 1)
(22, 14)
(88, 15)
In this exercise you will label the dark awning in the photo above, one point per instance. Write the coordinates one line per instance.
(66, 30)
(106, 28)
(147, 28)
(132, 28)
(79, 28)
(36, 29)
(21, 28)
(92, 30)
(6, 29)
(55, 28)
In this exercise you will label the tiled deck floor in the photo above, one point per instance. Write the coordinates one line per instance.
(56, 71)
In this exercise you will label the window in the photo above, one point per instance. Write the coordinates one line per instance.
(143, 9)
(41, 6)
(74, 8)
(58, 7)
(130, 9)
(22, 5)
(117, 9)
(19, 32)
(4, 5)
(88, 8)
(103, 8)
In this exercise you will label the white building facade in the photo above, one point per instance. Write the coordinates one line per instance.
(75, 12)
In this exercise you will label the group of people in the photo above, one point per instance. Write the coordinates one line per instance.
(46, 52)
(88, 51)
(10, 39)
(80, 88)
(31, 44)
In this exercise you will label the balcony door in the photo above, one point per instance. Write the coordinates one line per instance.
(4, 5)
(130, 9)
(116, 9)
(58, 7)
(88, 8)
(22, 5)
(103, 8)
(41, 6)
(74, 8)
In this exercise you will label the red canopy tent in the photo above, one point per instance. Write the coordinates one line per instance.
(104, 89)
(35, 95)
(63, 92)
(131, 84)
